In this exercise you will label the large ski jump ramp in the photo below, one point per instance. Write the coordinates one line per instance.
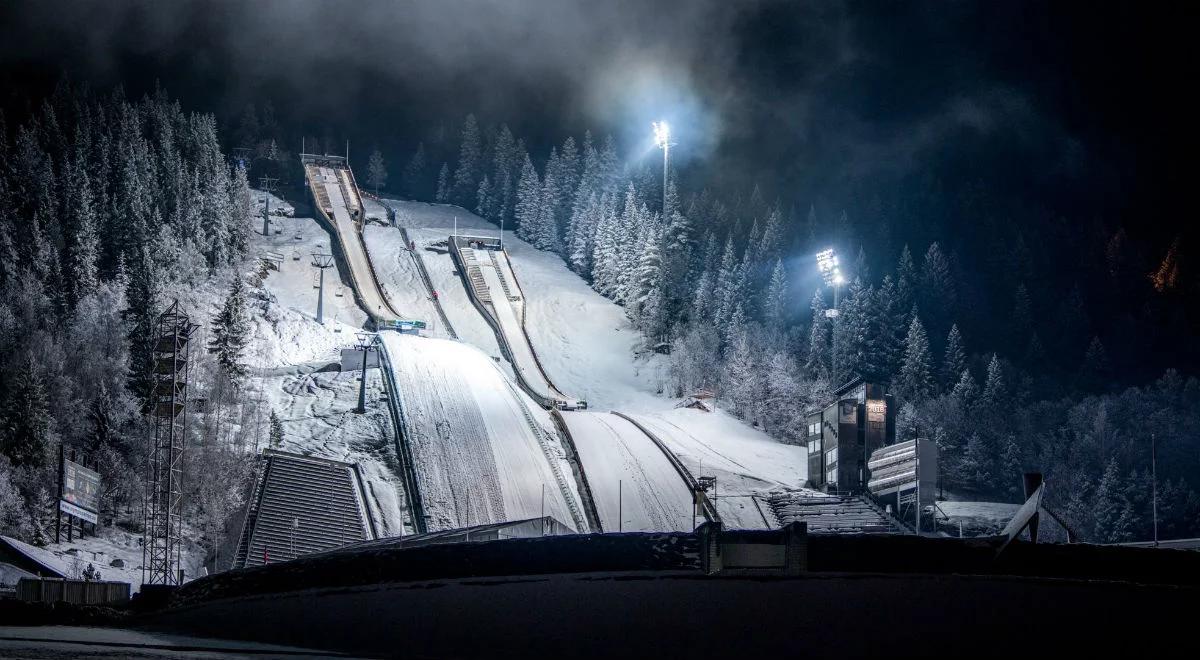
(492, 287)
(483, 451)
(336, 197)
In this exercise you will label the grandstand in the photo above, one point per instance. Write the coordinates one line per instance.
(301, 505)
(835, 514)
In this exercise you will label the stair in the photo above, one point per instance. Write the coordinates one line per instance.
(475, 275)
(304, 505)
(503, 280)
(833, 514)
(540, 433)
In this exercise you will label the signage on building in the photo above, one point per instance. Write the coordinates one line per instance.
(82, 514)
(876, 410)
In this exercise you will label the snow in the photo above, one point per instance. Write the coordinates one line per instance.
(399, 277)
(481, 452)
(279, 207)
(71, 557)
(284, 318)
(634, 486)
(293, 357)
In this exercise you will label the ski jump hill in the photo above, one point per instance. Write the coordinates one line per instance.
(483, 431)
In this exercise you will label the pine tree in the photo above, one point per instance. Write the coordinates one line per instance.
(1011, 467)
(231, 333)
(916, 376)
(995, 393)
(470, 162)
(744, 378)
(940, 295)
(484, 202)
(83, 248)
(506, 164)
(414, 174)
(1112, 518)
(965, 390)
(776, 298)
(443, 185)
(647, 288)
(955, 360)
(276, 434)
(907, 281)
(529, 202)
(377, 174)
(26, 426)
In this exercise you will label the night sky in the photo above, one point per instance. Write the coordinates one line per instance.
(1076, 110)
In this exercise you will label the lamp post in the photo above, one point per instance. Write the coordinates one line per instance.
(662, 138)
(831, 273)
(367, 342)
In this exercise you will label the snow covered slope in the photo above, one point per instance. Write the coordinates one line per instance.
(482, 448)
(400, 279)
(589, 349)
(634, 486)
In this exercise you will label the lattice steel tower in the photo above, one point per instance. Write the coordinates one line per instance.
(168, 412)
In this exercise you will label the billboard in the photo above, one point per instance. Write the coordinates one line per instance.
(80, 495)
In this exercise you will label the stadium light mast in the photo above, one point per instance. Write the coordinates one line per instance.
(831, 273)
(662, 138)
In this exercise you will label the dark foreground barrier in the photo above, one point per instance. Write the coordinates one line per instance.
(636, 595)
(75, 592)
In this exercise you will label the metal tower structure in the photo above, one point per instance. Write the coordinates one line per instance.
(168, 415)
(267, 185)
(321, 261)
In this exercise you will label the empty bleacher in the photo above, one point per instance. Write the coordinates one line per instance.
(834, 514)
(301, 505)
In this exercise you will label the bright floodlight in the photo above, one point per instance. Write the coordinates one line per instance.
(827, 263)
(662, 133)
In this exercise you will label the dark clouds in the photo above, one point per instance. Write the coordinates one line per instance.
(813, 99)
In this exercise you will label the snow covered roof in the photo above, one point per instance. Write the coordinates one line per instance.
(31, 559)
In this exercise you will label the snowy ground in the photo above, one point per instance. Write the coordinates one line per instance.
(292, 355)
(480, 445)
(634, 486)
(71, 558)
(400, 279)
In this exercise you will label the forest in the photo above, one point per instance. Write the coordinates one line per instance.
(1008, 355)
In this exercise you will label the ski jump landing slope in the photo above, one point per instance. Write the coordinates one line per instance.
(336, 196)
(483, 451)
(634, 485)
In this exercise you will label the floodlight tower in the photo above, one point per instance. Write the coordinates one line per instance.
(321, 261)
(662, 138)
(831, 273)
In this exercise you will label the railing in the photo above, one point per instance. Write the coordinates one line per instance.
(708, 509)
(408, 466)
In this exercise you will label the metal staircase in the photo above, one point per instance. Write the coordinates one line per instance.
(581, 524)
